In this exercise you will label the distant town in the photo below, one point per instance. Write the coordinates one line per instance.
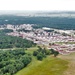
(59, 40)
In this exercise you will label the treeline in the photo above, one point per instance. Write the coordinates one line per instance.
(42, 53)
(11, 42)
(4, 31)
(12, 61)
(52, 22)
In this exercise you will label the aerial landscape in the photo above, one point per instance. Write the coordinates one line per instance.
(37, 44)
(37, 37)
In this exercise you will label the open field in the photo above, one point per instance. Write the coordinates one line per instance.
(71, 66)
(49, 66)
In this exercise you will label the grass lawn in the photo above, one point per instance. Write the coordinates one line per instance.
(49, 66)
(71, 66)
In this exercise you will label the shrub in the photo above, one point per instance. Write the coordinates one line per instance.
(40, 56)
(48, 52)
(52, 51)
(56, 53)
(35, 53)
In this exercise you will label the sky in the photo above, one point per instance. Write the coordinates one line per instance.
(42, 5)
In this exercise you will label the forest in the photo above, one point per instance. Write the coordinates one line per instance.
(52, 22)
(14, 42)
(12, 61)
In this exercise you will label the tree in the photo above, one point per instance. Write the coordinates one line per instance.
(26, 60)
(19, 65)
(35, 53)
(40, 56)
(39, 48)
(56, 53)
(48, 52)
(12, 69)
(52, 51)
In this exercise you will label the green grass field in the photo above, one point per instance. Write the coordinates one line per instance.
(71, 66)
(49, 66)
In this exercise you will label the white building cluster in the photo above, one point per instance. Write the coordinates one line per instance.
(44, 37)
(17, 27)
